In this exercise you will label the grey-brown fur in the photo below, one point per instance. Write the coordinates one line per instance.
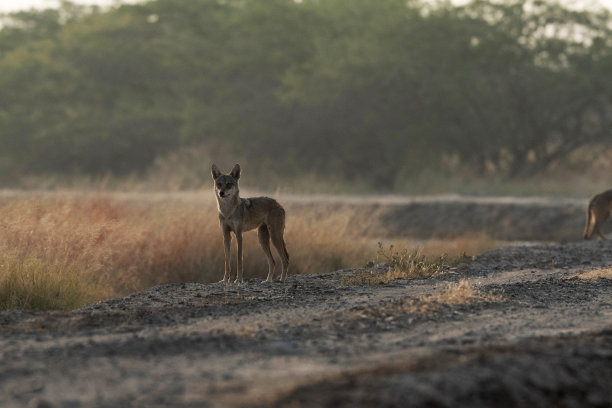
(239, 215)
(598, 211)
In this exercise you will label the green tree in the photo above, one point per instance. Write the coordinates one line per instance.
(367, 90)
(532, 88)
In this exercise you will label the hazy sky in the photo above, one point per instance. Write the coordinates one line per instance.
(12, 5)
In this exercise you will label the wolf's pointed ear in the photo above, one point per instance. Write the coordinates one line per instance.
(215, 172)
(235, 171)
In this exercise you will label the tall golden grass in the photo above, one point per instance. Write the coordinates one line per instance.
(72, 249)
(61, 251)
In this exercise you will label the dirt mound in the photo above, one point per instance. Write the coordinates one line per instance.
(537, 330)
(503, 218)
(570, 371)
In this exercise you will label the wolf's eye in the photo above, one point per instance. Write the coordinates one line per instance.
(218, 185)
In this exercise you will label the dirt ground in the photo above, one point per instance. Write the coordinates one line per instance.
(550, 219)
(542, 338)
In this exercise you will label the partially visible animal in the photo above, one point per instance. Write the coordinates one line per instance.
(598, 211)
(239, 215)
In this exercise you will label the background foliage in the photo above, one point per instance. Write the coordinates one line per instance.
(371, 92)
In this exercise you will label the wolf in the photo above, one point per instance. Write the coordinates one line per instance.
(239, 215)
(598, 211)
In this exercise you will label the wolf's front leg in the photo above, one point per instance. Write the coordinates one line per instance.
(227, 241)
(239, 278)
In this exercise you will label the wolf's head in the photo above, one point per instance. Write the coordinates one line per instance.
(226, 185)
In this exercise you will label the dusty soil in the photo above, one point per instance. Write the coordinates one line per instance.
(544, 338)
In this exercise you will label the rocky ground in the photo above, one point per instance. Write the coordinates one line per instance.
(539, 333)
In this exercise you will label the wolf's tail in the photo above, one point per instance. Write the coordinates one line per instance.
(589, 223)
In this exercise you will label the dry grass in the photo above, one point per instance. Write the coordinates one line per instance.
(78, 249)
(123, 246)
(61, 251)
(459, 293)
(605, 273)
(470, 243)
(33, 283)
(323, 241)
(404, 264)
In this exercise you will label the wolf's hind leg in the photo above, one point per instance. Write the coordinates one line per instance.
(279, 244)
(264, 239)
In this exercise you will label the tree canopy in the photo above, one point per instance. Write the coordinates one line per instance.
(368, 90)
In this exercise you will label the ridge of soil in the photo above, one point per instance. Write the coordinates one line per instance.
(544, 338)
